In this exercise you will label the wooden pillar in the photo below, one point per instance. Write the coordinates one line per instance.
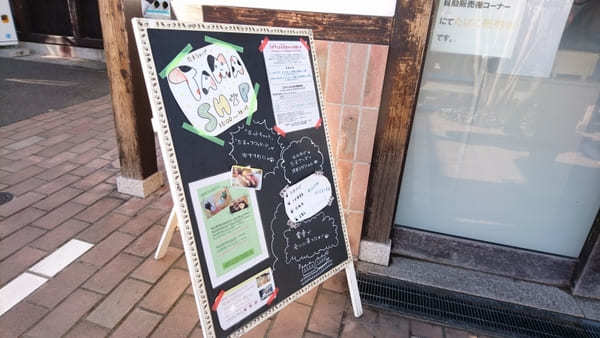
(139, 173)
(400, 86)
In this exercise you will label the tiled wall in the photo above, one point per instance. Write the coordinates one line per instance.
(352, 78)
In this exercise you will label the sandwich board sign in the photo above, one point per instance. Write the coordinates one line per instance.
(240, 120)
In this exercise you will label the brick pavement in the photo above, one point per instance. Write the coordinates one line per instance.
(61, 166)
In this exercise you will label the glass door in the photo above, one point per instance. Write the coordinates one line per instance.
(505, 143)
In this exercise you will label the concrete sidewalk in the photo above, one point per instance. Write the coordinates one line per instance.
(61, 167)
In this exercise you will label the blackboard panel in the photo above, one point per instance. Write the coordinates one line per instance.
(285, 237)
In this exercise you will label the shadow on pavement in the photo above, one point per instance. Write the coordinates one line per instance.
(29, 88)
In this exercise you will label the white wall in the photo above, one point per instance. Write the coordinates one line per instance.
(373, 7)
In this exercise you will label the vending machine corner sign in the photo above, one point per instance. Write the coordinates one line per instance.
(8, 34)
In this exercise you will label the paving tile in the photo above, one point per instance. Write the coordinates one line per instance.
(19, 220)
(139, 323)
(24, 143)
(20, 318)
(142, 222)
(57, 171)
(61, 258)
(390, 326)
(98, 209)
(118, 303)
(19, 203)
(164, 294)
(95, 178)
(17, 289)
(146, 243)
(19, 262)
(355, 77)
(364, 326)
(18, 165)
(455, 333)
(88, 156)
(107, 249)
(54, 139)
(21, 175)
(422, 329)
(259, 331)
(25, 186)
(338, 283)
(180, 321)
(134, 205)
(18, 240)
(57, 198)
(152, 269)
(326, 317)
(308, 298)
(85, 146)
(57, 184)
(58, 215)
(102, 228)
(94, 194)
(64, 316)
(59, 235)
(197, 333)
(62, 285)
(58, 159)
(112, 273)
(21, 153)
(290, 322)
(181, 262)
(85, 329)
(57, 149)
(165, 202)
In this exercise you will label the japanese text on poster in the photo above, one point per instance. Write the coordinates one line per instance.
(485, 28)
(229, 225)
(292, 85)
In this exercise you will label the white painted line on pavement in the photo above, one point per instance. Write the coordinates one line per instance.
(59, 259)
(19, 288)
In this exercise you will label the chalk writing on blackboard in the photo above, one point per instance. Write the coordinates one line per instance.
(306, 247)
(313, 236)
(300, 159)
(311, 269)
(255, 145)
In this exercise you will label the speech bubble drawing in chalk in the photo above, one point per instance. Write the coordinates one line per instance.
(307, 197)
(300, 159)
(315, 235)
(256, 146)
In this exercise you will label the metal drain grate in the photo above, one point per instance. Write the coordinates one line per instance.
(469, 311)
(5, 197)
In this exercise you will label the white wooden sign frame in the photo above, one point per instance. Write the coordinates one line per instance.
(180, 215)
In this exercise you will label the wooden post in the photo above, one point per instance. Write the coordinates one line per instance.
(400, 86)
(137, 153)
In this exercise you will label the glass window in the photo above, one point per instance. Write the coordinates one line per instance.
(505, 143)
